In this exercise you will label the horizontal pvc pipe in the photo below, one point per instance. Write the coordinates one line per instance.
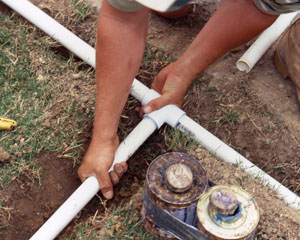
(264, 41)
(229, 155)
(87, 190)
(138, 90)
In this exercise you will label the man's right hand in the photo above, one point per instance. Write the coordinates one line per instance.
(97, 162)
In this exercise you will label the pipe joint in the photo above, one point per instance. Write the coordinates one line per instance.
(170, 114)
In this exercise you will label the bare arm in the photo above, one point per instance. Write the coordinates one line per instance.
(234, 23)
(120, 47)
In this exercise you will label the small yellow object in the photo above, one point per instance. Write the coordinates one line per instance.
(7, 124)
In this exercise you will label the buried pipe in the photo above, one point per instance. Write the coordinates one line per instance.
(264, 41)
(170, 114)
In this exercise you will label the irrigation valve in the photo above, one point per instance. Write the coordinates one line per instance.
(7, 124)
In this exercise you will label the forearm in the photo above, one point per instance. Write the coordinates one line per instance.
(120, 47)
(233, 24)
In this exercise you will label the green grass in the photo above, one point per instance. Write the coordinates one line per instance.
(154, 60)
(34, 92)
(84, 233)
(121, 222)
(226, 115)
(125, 223)
(177, 141)
(81, 10)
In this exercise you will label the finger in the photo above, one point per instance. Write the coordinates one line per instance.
(125, 166)
(114, 178)
(105, 185)
(157, 103)
(159, 82)
(82, 176)
(139, 111)
(118, 169)
(137, 108)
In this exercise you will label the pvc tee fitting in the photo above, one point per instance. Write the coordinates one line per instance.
(170, 114)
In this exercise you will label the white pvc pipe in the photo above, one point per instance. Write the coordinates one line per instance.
(138, 90)
(90, 187)
(264, 41)
(70, 208)
(229, 155)
(134, 140)
(65, 37)
(87, 190)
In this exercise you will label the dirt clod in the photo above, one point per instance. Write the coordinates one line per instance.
(4, 156)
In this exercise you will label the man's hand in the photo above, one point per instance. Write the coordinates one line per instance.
(97, 161)
(172, 82)
(233, 24)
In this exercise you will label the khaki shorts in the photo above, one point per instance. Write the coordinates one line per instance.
(126, 5)
(131, 5)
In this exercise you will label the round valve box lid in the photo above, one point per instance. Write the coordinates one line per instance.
(176, 178)
(239, 225)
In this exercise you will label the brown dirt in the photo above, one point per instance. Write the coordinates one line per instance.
(4, 156)
(28, 205)
(267, 132)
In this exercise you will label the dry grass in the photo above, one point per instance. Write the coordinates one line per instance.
(50, 97)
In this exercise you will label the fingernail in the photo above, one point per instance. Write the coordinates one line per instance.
(109, 194)
(147, 109)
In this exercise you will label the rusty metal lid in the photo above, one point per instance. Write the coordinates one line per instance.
(224, 201)
(176, 178)
(238, 225)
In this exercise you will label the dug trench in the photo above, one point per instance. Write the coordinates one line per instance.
(29, 204)
(237, 112)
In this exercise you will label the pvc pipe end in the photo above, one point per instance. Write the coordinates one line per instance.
(243, 66)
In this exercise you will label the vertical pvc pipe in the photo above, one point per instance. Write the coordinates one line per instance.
(134, 140)
(229, 155)
(87, 190)
(264, 41)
